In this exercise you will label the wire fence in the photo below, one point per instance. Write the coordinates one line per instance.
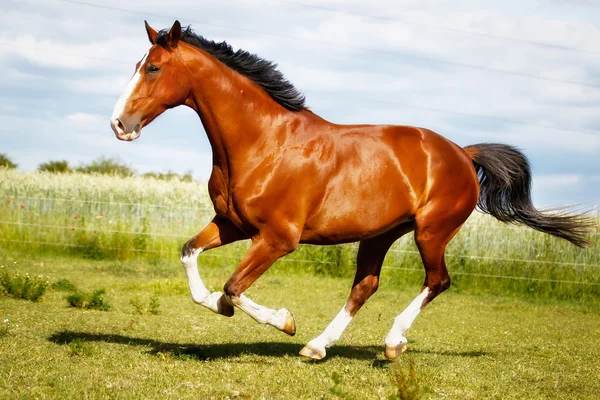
(475, 257)
(66, 207)
(292, 260)
(303, 261)
(524, 278)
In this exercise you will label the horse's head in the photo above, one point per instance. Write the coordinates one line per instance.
(157, 85)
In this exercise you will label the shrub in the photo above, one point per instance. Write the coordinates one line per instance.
(6, 162)
(64, 285)
(153, 306)
(89, 301)
(170, 175)
(57, 167)
(406, 385)
(107, 166)
(79, 348)
(4, 328)
(23, 287)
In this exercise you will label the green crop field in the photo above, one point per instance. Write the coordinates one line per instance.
(521, 319)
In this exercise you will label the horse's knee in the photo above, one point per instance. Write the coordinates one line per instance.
(368, 286)
(438, 286)
(362, 291)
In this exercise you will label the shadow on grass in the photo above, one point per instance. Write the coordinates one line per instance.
(383, 363)
(213, 351)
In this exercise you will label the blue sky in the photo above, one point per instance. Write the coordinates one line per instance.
(472, 70)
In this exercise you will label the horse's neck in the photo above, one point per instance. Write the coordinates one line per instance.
(239, 118)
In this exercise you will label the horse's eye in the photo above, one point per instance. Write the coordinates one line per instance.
(152, 68)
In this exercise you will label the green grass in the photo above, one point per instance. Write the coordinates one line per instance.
(24, 287)
(111, 218)
(463, 346)
(89, 301)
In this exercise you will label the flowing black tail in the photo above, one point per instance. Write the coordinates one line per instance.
(505, 192)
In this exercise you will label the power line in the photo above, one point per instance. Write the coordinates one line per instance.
(360, 48)
(39, 48)
(67, 53)
(357, 98)
(459, 113)
(445, 28)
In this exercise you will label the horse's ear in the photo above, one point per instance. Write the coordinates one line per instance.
(174, 35)
(152, 34)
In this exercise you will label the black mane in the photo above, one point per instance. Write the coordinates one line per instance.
(258, 70)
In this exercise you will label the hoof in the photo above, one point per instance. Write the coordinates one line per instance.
(392, 352)
(311, 352)
(224, 308)
(290, 323)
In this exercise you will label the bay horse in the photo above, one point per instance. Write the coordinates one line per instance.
(282, 176)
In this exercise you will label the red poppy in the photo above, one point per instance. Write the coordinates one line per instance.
(22, 206)
(75, 217)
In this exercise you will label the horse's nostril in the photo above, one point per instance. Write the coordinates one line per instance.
(117, 126)
(120, 125)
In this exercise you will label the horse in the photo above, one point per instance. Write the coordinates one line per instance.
(284, 176)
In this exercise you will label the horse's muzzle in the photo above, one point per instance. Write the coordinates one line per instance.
(122, 132)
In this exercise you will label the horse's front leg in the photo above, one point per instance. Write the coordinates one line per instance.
(265, 250)
(217, 233)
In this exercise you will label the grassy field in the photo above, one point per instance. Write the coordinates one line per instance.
(521, 320)
(463, 346)
(108, 218)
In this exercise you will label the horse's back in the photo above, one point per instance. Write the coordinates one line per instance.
(380, 176)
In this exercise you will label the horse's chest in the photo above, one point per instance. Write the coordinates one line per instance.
(223, 202)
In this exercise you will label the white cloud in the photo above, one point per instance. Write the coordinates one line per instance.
(80, 119)
(72, 60)
(544, 181)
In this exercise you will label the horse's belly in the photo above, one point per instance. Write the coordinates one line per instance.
(359, 218)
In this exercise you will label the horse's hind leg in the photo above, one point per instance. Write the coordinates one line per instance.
(217, 233)
(432, 234)
(371, 253)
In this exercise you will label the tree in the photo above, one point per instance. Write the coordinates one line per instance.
(6, 162)
(107, 166)
(57, 167)
(169, 175)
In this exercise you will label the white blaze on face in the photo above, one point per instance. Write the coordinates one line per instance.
(131, 87)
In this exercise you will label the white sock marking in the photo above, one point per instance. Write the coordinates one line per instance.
(200, 294)
(404, 321)
(261, 314)
(131, 86)
(333, 331)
